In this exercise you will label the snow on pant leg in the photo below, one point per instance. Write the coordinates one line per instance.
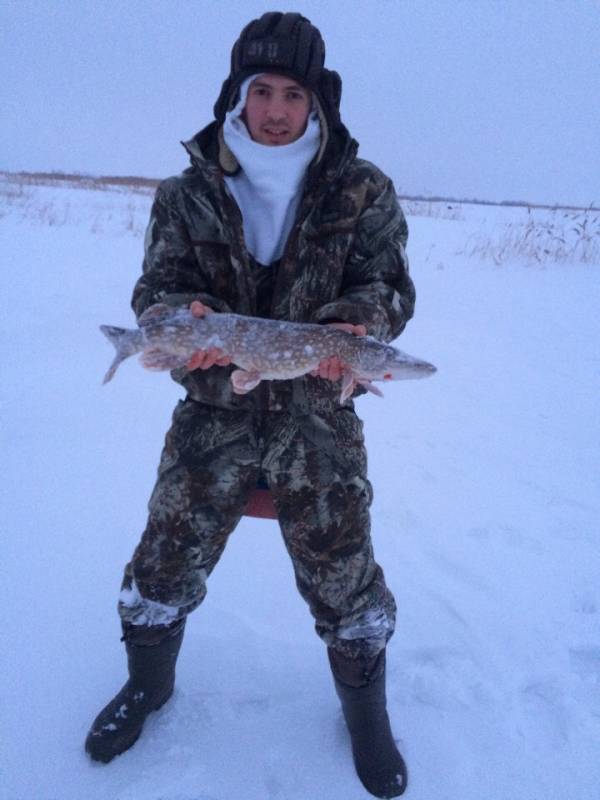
(317, 471)
(209, 464)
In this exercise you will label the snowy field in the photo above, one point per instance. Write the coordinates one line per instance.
(486, 521)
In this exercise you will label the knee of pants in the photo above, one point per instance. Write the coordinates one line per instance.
(178, 551)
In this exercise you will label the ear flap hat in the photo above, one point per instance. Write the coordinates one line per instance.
(285, 44)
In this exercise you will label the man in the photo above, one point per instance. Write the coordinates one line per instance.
(275, 217)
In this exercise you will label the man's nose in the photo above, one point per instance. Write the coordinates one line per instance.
(276, 108)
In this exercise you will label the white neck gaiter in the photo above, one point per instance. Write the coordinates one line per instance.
(268, 188)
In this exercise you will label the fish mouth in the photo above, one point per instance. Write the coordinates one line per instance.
(411, 370)
(423, 369)
(427, 368)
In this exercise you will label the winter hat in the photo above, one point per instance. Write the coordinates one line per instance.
(286, 44)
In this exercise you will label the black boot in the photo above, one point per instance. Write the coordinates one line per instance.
(361, 688)
(151, 656)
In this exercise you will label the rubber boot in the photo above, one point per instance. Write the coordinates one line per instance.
(151, 656)
(361, 689)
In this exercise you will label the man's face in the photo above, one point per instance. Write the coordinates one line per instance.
(277, 109)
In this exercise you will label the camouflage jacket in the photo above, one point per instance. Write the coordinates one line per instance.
(344, 261)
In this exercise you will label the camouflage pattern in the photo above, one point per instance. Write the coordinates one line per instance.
(344, 261)
(211, 461)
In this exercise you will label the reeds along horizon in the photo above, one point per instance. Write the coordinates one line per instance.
(121, 205)
(554, 237)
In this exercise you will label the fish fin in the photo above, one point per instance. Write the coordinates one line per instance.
(126, 342)
(347, 385)
(370, 387)
(244, 381)
(349, 381)
(158, 360)
(156, 313)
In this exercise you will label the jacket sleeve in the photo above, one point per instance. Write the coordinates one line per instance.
(376, 290)
(171, 273)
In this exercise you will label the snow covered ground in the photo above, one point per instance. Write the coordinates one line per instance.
(486, 520)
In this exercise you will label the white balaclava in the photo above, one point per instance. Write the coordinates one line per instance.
(268, 187)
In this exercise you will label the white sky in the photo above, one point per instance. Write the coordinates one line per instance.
(496, 100)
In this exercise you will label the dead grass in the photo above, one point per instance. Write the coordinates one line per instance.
(556, 237)
(131, 183)
(545, 235)
(117, 204)
(436, 209)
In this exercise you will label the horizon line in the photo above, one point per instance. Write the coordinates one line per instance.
(137, 181)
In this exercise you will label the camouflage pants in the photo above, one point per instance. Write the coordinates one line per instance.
(316, 470)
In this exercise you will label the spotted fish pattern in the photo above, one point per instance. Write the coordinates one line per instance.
(264, 349)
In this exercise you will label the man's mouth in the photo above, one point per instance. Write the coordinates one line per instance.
(276, 132)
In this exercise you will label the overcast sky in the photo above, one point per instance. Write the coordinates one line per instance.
(496, 100)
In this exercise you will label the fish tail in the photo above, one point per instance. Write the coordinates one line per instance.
(126, 343)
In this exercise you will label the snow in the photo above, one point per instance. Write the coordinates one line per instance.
(485, 519)
(152, 613)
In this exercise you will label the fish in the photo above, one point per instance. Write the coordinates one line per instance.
(261, 349)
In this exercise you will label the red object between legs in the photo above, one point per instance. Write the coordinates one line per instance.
(260, 504)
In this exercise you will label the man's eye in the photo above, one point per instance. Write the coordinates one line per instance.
(295, 96)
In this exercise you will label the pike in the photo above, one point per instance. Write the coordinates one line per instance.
(262, 349)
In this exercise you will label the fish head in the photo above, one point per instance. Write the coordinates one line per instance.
(384, 362)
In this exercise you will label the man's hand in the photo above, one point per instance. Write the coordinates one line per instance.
(205, 359)
(332, 368)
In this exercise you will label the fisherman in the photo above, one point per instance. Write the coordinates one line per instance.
(275, 217)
